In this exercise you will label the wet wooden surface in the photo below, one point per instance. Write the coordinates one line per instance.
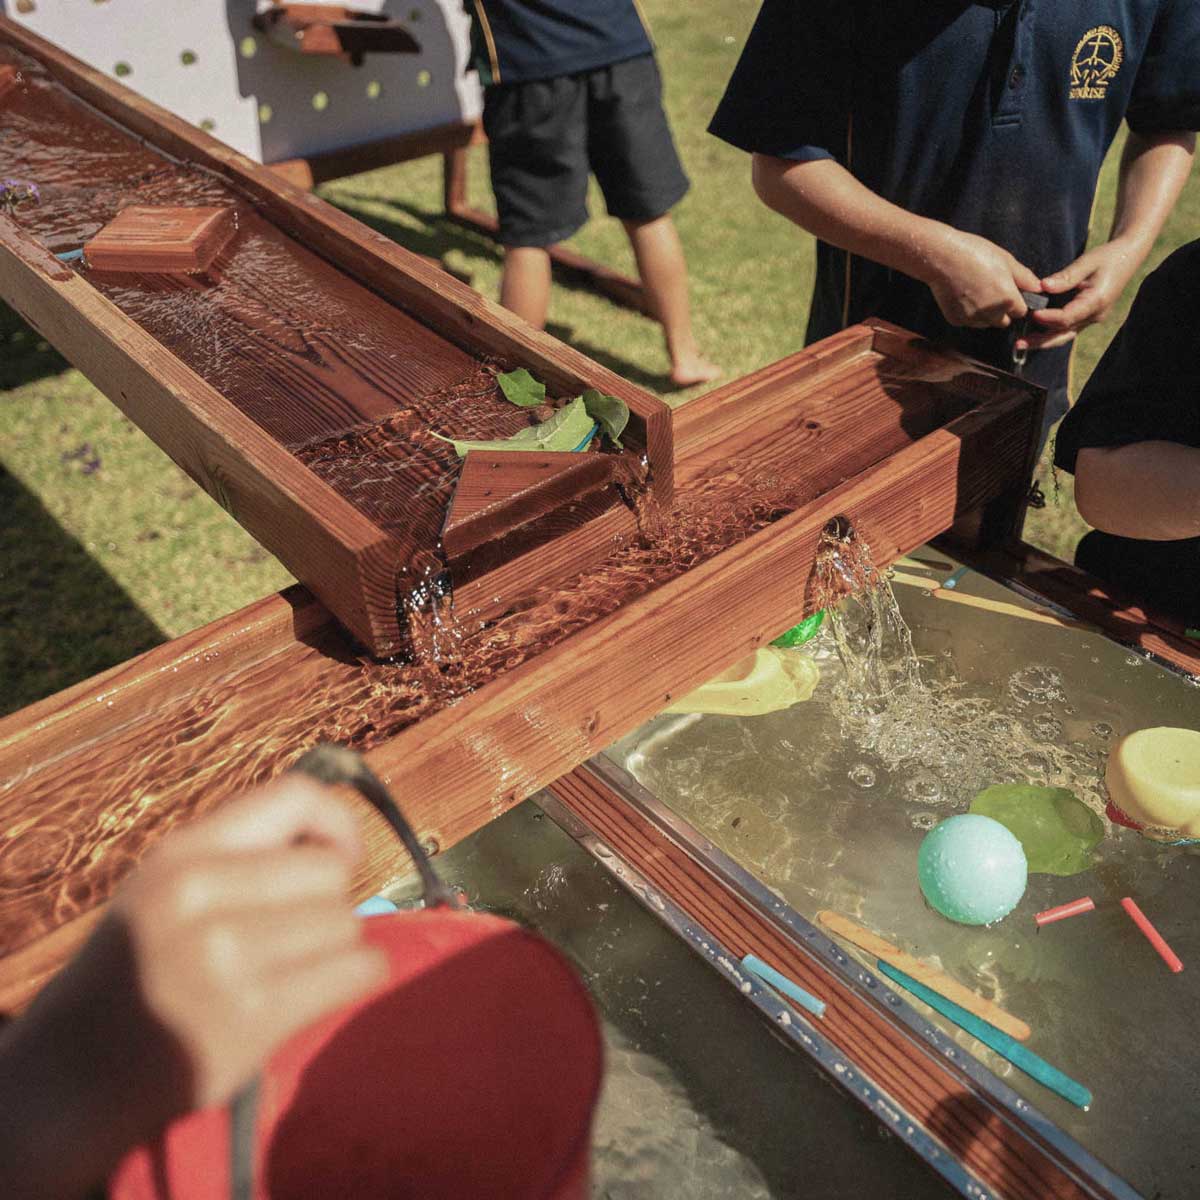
(348, 384)
(92, 777)
(930, 1090)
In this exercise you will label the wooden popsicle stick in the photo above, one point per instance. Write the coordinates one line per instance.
(939, 981)
(1004, 608)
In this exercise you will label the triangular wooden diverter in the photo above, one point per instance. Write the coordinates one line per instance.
(167, 240)
(500, 490)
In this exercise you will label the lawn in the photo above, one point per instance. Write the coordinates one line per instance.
(106, 548)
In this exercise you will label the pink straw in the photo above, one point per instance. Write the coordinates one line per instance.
(1086, 904)
(1155, 938)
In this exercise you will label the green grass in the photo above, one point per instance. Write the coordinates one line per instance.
(99, 562)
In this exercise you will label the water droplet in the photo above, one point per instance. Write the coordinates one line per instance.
(923, 820)
(862, 775)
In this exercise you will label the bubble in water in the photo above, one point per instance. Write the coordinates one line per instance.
(1102, 730)
(923, 820)
(1036, 684)
(862, 775)
(1133, 660)
(923, 785)
(1046, 727)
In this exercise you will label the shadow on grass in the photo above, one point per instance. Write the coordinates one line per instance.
(438, 235)
(63, 618)
(25, 356)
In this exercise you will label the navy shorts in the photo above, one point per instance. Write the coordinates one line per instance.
(546, 136)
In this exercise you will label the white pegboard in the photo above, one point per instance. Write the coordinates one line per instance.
(204, 61)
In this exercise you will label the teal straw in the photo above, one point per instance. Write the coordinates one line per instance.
(583, 444)
(1007, 1047)
(781, 983)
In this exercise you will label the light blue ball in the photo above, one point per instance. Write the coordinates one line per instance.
(375, 906)
(972, 869)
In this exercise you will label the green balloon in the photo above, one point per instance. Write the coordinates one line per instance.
(799, 634)
(1056, 830)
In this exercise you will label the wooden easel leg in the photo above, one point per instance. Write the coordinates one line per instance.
(623, 289)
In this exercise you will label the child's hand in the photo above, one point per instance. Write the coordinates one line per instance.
(977, 283)
(230, 936)
(243, 931)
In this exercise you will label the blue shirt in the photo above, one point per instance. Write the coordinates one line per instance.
(992, 117)
(515, 41)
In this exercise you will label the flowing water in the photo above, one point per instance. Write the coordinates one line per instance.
(923, 702)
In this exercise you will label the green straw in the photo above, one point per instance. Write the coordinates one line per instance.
(996, 1039)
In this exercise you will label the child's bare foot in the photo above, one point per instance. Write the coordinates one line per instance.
(687, 372)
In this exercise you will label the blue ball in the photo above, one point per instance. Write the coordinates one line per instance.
(972, 869)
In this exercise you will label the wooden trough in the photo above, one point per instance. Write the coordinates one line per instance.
(577, 634)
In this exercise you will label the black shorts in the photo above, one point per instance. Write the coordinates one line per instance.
(547, 135)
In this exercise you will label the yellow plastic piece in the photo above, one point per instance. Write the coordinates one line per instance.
(1153, 776)
(769, 680)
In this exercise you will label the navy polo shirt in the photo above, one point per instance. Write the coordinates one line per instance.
(515, 41)
(1146, 388)
(992, 117)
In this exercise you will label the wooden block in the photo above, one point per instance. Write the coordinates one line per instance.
(8, 79)
(167, 240)
(499, 490)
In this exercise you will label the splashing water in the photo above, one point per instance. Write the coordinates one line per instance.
(948, 746)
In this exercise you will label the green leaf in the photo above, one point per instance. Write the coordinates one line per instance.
(1056, 829)
(520, 388)
(611, 414)
(569, 426)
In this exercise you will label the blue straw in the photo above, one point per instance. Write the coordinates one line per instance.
(1007, 1047)
(951, 581)
(69, 255)
(591, 434)
(781, 983)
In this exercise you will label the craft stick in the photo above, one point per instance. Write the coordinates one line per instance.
(918, 581)
(1004, 608)
(939, 981)
(1152, 935)
(781, 983)
(995, 1039)
(1084, 905)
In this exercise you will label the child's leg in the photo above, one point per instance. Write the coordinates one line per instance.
(525, 283)
(663, 271)
(634, 159)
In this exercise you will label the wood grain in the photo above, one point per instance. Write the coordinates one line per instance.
(939, 981)
(313, 531)
(90, 780)
(478, 325)
(8, 79)
(307, 172)
(1004, 1154)
(350, 383)
(499, 490)
(166, 239)
(1122, 618)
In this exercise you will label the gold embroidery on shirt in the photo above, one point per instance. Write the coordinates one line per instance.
(1095, 63)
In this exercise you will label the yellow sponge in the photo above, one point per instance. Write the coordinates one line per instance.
(768, 680)
(1153, 776)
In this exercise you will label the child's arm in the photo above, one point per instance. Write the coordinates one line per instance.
(1154, 168)
(1145, 490)
(975, 282)
(233, 934)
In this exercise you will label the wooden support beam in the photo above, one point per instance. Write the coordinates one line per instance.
(91, 778)
(443, 303)
(341, 386)
(447, 139)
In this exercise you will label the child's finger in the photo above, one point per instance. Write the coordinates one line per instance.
(285, 876)
(310, 989)
(272, 940)
(279, 814)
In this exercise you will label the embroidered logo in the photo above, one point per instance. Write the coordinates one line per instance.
(1096, 61)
